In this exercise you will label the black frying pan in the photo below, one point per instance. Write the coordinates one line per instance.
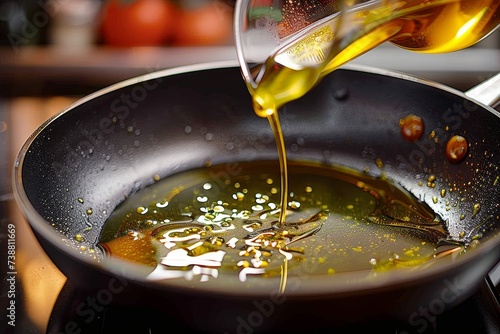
(110, 145)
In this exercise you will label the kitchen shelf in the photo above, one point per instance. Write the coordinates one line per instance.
(56, 71)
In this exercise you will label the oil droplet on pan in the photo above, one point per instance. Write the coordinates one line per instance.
(412, 127)
(476, 209)
(456, 149)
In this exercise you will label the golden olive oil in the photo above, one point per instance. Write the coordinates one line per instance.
(338, 220)
(263, 223)
(432, 26)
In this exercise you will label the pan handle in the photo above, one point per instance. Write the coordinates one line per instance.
(487, 92)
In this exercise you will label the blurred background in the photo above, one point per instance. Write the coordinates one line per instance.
(78, 46)
(53, 52)
(74, 47)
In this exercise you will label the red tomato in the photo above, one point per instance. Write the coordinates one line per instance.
(138, 22)
(208, 24)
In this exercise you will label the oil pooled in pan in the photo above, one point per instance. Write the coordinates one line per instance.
(202, 223)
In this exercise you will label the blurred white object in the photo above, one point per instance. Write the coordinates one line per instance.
(74, 23)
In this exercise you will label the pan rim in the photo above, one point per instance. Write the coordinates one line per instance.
(115, 267)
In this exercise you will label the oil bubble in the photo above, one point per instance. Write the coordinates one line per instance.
(412, 127)
(456, 149)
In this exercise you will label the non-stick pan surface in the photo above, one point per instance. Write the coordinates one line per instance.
(115, 142)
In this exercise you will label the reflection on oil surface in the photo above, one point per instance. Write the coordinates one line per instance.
(201, 223)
